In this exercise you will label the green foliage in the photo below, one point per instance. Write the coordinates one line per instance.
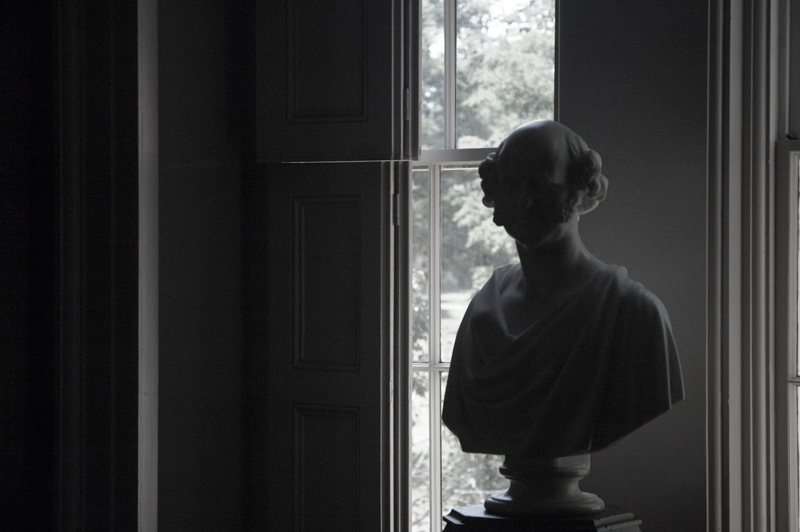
(504, 69)
(432, 74)
(505, 53)
(472, 245)
(420, 263)
(468, 478)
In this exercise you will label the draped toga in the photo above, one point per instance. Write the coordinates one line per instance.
(598, 364)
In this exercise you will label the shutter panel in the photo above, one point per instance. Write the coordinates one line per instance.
(319, 275)
(337, 80)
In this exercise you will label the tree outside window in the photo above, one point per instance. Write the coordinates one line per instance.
(487, 68)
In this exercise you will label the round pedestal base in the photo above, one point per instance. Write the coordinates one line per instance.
(541, 487)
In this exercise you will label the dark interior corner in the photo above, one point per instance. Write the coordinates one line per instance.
(27, 264)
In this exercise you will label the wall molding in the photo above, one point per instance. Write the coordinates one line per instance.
(147, 424)
(743, 120)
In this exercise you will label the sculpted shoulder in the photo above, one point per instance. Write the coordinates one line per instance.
(642, 304)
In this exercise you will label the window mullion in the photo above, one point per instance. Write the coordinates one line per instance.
(436, 450)
(435, 239)
(785, 401)
(450, 37)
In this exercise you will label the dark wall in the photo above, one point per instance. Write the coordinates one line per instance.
(26, 267)
(633, 84)
(204, 83)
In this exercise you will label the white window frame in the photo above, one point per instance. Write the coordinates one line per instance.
(435, 161)
(787, 381)
(749, 476)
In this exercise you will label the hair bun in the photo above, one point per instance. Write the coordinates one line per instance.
(588, 167)
(589, 163)
(488, 172)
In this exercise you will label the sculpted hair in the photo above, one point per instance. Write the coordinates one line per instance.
(584, 174)
(488, 172)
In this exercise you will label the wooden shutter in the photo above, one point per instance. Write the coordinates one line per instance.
(320, 266)
(337, 80)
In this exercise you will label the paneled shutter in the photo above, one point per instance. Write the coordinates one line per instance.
(337, 81)
(321, 320)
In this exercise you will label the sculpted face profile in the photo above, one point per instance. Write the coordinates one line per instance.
(561, 354)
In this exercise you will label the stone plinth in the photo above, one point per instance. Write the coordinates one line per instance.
(475, 518)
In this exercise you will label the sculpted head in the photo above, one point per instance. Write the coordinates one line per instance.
(543, 173)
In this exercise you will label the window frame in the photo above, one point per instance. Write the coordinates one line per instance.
(787, 379)
(433, 162)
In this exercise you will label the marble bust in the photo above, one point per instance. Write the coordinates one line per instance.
(561, 354)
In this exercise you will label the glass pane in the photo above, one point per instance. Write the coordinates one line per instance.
(420, 265)
(505, 57)
(797, 357)
(472, 247)
(467, 478)
(432, 75)
(420, 452)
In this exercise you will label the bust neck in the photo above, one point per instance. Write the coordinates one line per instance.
(556, 265)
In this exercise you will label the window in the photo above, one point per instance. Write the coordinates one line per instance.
(787, 367)
(487, 68)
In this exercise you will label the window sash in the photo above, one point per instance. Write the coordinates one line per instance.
(787, 381)
(435, 161)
